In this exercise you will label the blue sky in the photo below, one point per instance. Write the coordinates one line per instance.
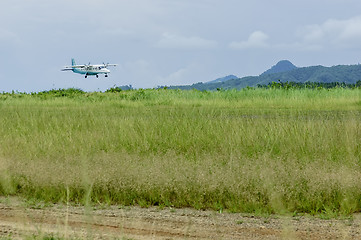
(169, 42)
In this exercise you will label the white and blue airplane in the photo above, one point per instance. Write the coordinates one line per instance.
(89, 69)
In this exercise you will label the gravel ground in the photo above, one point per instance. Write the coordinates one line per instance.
(19, 220)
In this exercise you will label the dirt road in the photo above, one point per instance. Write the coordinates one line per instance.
(19, 220)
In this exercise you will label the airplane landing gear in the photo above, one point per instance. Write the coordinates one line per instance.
(106, 75)
(97, 75)
(86, 76)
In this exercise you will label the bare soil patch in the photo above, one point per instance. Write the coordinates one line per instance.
(19, 219)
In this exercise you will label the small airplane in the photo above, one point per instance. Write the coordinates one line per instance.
(89, 69)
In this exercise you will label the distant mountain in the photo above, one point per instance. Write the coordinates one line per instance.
(349, 74)
(223, 79)
(281, 66)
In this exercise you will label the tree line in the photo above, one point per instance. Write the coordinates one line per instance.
(309, 85)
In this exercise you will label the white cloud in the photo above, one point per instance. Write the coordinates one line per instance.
(142, 73)
(175, 77)
(170, 40)
(313, 33)
(331, 34)
(184, 75)
(257, 39)
(339, 33)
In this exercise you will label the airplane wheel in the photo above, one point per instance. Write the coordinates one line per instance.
(86, 76)
(97, 76)
(106, 75)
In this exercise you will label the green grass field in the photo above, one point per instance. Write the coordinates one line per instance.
(254, 150)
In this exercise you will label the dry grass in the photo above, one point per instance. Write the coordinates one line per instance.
(260, 151)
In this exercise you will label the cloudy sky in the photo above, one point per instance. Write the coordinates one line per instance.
(169, 42)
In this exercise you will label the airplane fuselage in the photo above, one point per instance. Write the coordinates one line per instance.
(89, 69)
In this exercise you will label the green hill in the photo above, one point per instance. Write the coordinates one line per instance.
(224, 79)
(281, 66)
(348, 74)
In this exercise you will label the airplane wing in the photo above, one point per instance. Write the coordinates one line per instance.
(75, 66)
(113, 65)
(79, 66)
(105, 65)
(67, 68)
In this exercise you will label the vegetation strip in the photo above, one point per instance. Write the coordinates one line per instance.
(255, 150)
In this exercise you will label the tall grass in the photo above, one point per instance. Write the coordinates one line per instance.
(252, 150)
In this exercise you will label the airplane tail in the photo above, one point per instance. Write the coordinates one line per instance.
(73, 62)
